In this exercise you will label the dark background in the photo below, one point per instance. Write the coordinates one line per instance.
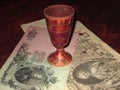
(102, 17)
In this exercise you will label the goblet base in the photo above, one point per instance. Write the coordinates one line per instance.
(60, 58)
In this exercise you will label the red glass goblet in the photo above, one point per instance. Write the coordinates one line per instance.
(59, 20)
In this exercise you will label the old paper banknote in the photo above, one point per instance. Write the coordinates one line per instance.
(28, 69)
(95, 65)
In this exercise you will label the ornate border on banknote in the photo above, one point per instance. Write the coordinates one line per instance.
(94, 67)
(27, 67)
(23, 72)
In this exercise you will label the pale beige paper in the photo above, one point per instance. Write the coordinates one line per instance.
(104, 63)
(37, 42)
(79, 27)
(39, 23)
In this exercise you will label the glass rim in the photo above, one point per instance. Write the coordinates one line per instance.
(72, 9)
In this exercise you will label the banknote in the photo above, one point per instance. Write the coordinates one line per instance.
(27, 68)
(96, 66)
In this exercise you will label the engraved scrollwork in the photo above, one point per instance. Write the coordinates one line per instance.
(95, 74)
(32, 34)
(23, 74)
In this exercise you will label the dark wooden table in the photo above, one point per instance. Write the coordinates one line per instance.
(102, 17)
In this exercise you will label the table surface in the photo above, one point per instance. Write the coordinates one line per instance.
(102, 17)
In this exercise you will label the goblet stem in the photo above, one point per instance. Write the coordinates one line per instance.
(60, 49)
(60, 58)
